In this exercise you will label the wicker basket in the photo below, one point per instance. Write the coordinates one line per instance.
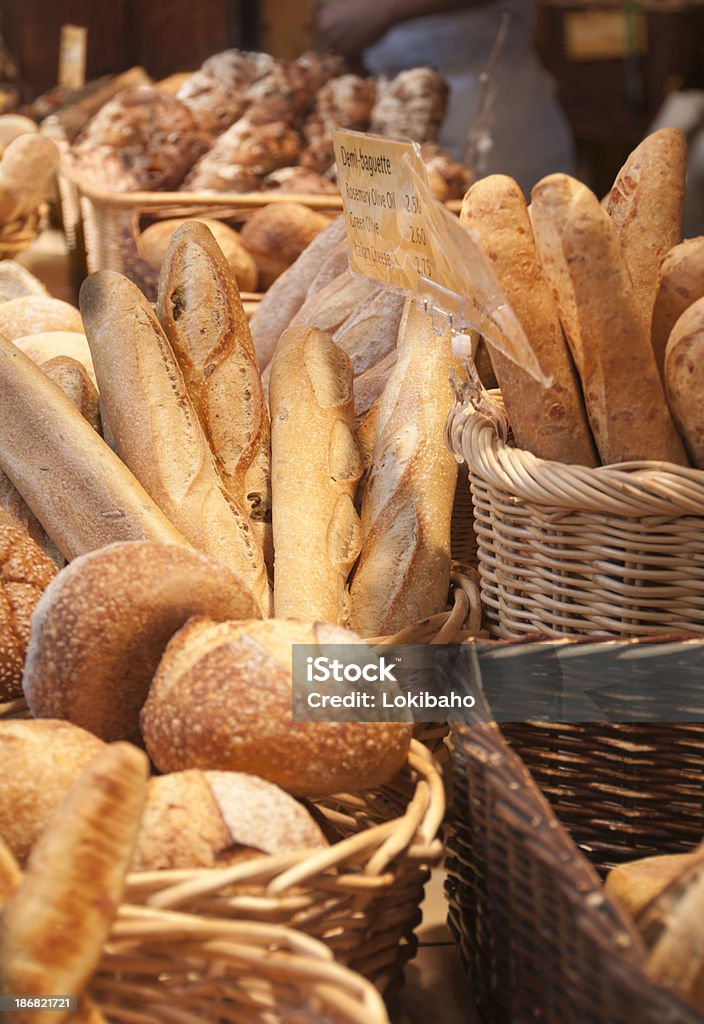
(169, 968)
(617, 550)
(539, 938)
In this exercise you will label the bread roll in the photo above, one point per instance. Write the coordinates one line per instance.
(646, 204)
(39, 761)
(276, 236)
(99, 631)
(403, 573)
(16, 281)
(240, 720)
(286, 295)
(49, 344)
(27, 170)
(315, 469)
(600, 313)
(25, 571)
(154, 426)
(551, 422)
(14, 125)
(680, 283)
(35, 314)
(78, 489)
(684, 379)
(73, 883)
(208, 819)
(637, 882)
(154, 241)
(72, 377)
(201, 312)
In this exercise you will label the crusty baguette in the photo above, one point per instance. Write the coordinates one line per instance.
(551, 422)
(581, 255)
(77, 488)
(155, 430)
(680, 283)
(403, 573)
(73, 883)
(329, 308)
(646, 204)
(200, 309)
(315, 468)
(369, 386)
(684, 379)
(288, 292)
(635, 883)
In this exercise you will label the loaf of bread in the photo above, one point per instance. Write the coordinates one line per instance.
(25, 572)
(201, 312)
(241, 721)
(315, 469)
(154, 427)
(637, 882)
(49, 344)
(600, 313)
(85, 850)
(154, 241)
(646, 204)
(101, 626)
(209, 819)
(16, 281)
(10, 874)
(680, 283)
(287, 294)
(39, 761)
(403, 572)
(27, 171)
(684, 379)
(276, 235)
(551, 422)
(35, 314)
(14, 125)
(77, 488)
(341, 298)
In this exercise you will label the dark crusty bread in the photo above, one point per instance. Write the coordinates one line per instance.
(680, 283)
(276, 235)
(684, 379)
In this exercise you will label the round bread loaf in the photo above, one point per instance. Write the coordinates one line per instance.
(205, 819)
(101, 627)
(16, 281)
(14, 125)
(154, 241)
(276, 236)
(50, 344)
(39, 761)
(221, 699)
(25, 571)
(32, 314)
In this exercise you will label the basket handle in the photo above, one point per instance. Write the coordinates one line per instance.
(471, 399)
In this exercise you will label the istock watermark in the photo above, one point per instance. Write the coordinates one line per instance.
(557, 681)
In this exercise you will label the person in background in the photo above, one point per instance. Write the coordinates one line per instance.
(528, 130)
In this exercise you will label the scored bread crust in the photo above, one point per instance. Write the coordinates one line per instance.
(99, 631)
(315, 468)
(684, 379)
(155, 429)
(581, 255)
(403, 572)
(549, 421)
(680, 283)
(200, 309)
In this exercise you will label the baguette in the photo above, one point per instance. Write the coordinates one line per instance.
(315, 469)
(155, 429)
(646, 204)
(680, 283)
(551, 422)
(77, 488)
(403, 572)
(329, 308)
(288, 292)
(684, 379)
(200, 309)
(581, 255)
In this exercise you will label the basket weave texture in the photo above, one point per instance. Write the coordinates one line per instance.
(17, 235)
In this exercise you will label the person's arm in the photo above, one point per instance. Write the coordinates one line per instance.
(348, 28)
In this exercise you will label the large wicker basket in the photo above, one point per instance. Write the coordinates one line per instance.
(167, 968)
(537, 934)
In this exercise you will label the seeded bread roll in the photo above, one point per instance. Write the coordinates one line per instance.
(601, 316)
(208, 819)
(241, 719)
(684, 379)
(201, 312)
(153, 243)
(34, 314)
(154, 427)
(403, 572)
(39, 761)
(551, 422)
(646, 204)
(75, 485)
(100, 629)
(287, 294)
(276, 236)
(680, 283)
(315, 469)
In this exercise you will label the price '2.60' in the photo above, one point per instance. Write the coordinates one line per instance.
(418, 235)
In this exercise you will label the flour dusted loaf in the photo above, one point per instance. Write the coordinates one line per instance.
(680, 284)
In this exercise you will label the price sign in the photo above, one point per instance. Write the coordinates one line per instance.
(72, 56)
